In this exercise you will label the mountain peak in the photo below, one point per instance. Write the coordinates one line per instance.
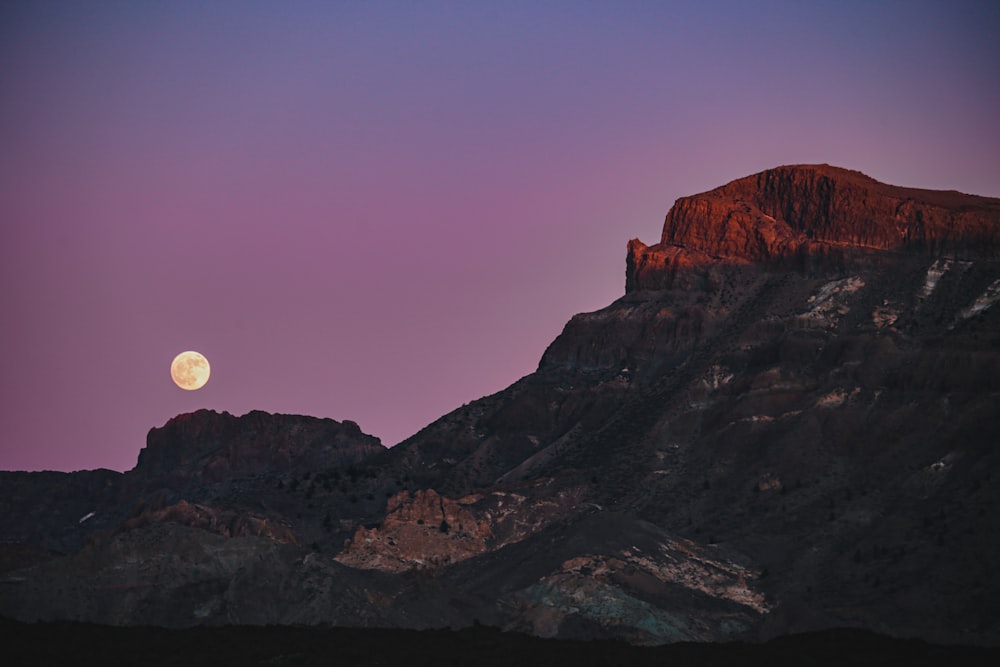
(802, 210)
(207, 446)
(781, 210)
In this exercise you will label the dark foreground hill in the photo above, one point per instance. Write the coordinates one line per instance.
(51, 644)
(787, 424)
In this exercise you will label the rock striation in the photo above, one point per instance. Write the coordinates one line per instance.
(790, 213)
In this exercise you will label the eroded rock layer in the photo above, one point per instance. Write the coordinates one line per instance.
(797, 215)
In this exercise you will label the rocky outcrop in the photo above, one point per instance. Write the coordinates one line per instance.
(227, 523)
(421, 530)
(788, 213)
(205, 447)
(235, 477)
(425, 530)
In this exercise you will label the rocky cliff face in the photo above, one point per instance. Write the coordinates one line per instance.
(787, 423)
(790, 213)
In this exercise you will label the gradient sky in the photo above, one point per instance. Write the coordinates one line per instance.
(379, 211)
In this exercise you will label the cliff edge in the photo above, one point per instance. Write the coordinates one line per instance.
(800, 214)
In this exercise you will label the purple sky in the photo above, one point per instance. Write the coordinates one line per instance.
(380, 211)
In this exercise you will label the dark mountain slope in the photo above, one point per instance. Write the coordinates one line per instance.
(787, 423)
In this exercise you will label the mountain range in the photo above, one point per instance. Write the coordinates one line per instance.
(787, 423)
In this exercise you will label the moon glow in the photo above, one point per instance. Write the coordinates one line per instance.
(190, 370)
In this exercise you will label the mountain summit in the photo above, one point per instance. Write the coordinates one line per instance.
(808, 211)
(786, 423)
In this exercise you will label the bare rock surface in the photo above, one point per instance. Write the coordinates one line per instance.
(804, 214)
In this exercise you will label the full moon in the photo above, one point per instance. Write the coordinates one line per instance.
(190, 370)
